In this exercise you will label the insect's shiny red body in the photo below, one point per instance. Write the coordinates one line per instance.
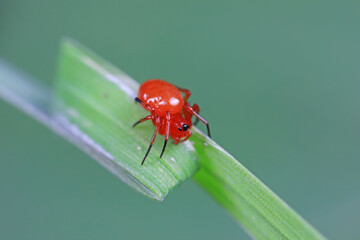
(162, 96)
(169, 111)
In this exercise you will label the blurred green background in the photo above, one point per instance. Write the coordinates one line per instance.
(278, 80)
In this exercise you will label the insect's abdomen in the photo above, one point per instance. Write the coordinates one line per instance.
(162, 96)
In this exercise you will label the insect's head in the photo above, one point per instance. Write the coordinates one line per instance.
(180, 127)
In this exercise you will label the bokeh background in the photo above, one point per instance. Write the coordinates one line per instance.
(278, 80)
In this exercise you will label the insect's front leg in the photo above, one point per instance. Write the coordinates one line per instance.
(188, 114)
(150, 117)
(186, 138)
(186, 92)
(194, 112)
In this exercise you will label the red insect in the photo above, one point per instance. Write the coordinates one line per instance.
(169, 111)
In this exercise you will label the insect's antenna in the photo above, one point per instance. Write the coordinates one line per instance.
(151, 144)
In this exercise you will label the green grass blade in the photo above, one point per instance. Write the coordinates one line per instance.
(93, 107)
(253, 204)
(262, 213)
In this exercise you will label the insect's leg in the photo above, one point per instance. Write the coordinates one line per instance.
(186, 138)
(196, 109)
(150, 117)
(188, 114)
(190, 109)
(186, 92)
(167, 131)
(144, 104)
(152, 139)
(176, 142)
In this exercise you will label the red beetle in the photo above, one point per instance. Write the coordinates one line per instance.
(169, 111)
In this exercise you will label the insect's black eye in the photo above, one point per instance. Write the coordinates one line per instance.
(185, 127)
(180, 129)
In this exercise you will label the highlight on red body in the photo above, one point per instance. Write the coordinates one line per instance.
(169, 111)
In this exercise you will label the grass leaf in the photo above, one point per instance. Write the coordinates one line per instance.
(262, 213)
(93, 107)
